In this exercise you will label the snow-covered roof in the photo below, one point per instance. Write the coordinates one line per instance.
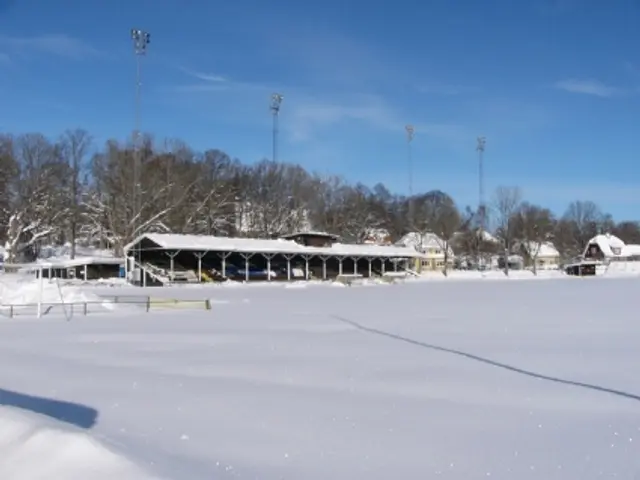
(423, 241)
(54, 262)
(541, 250)
(612, 246)
(204, 243)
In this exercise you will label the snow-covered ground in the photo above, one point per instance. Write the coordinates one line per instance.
(453, 380)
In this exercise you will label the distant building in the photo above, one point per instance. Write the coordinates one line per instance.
(545, 255)
(608, 248)
(433, 248)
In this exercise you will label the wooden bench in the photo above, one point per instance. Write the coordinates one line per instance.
(393, 277)
(349, 279)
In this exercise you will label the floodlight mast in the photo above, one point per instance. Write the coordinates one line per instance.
(481, 142)
(410, 131)
(276, 102)
(141, 40)
(482, 209)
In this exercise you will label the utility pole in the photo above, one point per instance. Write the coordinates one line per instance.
(482, 209)
(410, 130)
(276, 101)
(141, 40)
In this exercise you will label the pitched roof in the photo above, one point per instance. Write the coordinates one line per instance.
(204, 243)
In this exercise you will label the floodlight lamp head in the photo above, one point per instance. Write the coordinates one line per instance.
(276, 100)
(410, 131)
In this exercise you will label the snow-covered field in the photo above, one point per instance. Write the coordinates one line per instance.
(453, 380)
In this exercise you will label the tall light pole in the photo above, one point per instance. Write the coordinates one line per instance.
(481, 142)
(482, 209)
(276, 101)
(141, 40)
(410, 130)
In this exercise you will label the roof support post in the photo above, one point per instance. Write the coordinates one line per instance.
(370, 260)
(383, 261)
(288, 256)
(246, 257)
(268, 256)
(340, 259)
(355, 264)
(306, 265)
(324, 259)
(172, 256)
(223, 259)
(200, 256)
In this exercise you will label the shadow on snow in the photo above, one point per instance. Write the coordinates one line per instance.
(72, 413)
(487, 361)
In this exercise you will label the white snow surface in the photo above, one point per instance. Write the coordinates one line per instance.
(445, 379)
(34, 447)
(24, 292)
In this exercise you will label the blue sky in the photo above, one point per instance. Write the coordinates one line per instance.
(554, 85)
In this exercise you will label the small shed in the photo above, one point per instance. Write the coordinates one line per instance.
(83, 268)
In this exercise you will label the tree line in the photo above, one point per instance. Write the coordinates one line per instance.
(67, 190)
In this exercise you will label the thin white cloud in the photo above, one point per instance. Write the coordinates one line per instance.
(198, 88)
(60, 45)
(588, 87)
(205, 77)
(305, 117)
(309, 116)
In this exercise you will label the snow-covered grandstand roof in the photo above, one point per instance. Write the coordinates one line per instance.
(612, 246)
(204, 243)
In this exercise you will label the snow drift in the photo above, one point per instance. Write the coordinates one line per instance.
(35, 447)
(26, 293)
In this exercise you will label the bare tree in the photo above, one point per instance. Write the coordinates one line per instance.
(268, 204)
(8, 188)
(357, 213)
(583, 220)
(74, 146)
(38, 209)
(534, 226)
(507, 201)
(627, 231)
(446, 222)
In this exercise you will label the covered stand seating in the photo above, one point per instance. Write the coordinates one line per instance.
(160, 259)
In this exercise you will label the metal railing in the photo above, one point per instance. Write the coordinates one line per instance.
(146, 303)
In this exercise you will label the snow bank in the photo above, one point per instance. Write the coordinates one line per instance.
(27, 293)
(34, 447)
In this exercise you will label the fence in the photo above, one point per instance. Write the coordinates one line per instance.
(147, 303)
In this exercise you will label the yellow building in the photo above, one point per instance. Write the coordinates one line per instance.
(433, 247)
